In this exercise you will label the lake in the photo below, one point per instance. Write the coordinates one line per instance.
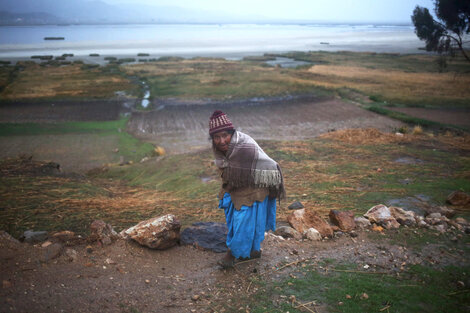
(229, 41)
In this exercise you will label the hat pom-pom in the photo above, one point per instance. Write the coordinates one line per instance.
(216, 114)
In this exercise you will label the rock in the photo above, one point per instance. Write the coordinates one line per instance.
(440, 228)
(362, 222)
(461, 221)
(288, 232)
(71, 254)
(30, 236)
(6, 237)
(64, 236)
(207, 235)
(381, 215)
(46, 244)
(377, 228)
(403, 217)
(467, 230)
(301, 220)
(456, 225)
(364, 296)
(353, 234)
(89, 249)
(312, 234)
(51, 252)
(102, 232)
(343, 219)
(458, 198)
(434, 215)
(445, 211)
(422, 224)
(296, 206)
(157, 233)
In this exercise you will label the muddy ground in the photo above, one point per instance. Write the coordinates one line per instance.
(125, 277)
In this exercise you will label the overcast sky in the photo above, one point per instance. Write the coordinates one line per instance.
(327, 10)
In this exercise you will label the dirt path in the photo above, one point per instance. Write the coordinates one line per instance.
(459, 117)
(182, 128)
(125, 277)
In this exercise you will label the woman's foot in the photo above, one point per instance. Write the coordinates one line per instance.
(228, 261)
(253, 255)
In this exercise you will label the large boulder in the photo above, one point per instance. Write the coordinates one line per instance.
(207, 235)
(157, 233)
(343, 219)
(102, 232)
(381, 215)
(302, 220)
(406, 218)
(458, 198)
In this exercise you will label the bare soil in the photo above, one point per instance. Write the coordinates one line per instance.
(182, 128)
(125, 277)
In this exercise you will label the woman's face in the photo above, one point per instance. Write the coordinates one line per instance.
(222, 140)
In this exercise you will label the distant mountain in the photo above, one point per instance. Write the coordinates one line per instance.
(7, 18)
(90, 12)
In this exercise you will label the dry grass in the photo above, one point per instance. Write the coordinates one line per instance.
(393, 84)
(365, 136)
(36, 81)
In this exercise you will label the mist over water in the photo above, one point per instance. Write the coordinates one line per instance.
(231, 40)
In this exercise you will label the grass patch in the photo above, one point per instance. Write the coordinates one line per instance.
(420, 289)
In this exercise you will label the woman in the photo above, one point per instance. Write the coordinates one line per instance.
(251, 182)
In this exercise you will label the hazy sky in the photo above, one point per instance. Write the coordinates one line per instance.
(328, 10)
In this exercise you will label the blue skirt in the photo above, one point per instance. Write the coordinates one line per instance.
(246, 227)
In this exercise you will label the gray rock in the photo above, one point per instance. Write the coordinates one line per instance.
(71, 254)
(51, 252)
(312, 234)
(434, 215)
(381, 215)
(295, 206)
(30, 236)
(440, 228)
(288, 232)
(362, 222)
(207, 235)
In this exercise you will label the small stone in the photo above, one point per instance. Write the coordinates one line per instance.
(340, 303)
(147, 281)
(377, 228)
(6, 284)
(461, 221)
(295, 206)
(89, 249)
(364, 296)
(348, 297)
(454, 239)
(313, 234)
(30, 236)
(353, 234)
(71, 254)
(195, 297)
(362, 222)
(46, 244)
(435, 215)
(461, 284)
(51, 252)
(109, 261)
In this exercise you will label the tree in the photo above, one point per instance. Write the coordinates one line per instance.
(447, 33)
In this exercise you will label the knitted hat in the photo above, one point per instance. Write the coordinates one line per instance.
(219, 122)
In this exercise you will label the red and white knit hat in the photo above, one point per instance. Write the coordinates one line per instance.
(219, 122)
